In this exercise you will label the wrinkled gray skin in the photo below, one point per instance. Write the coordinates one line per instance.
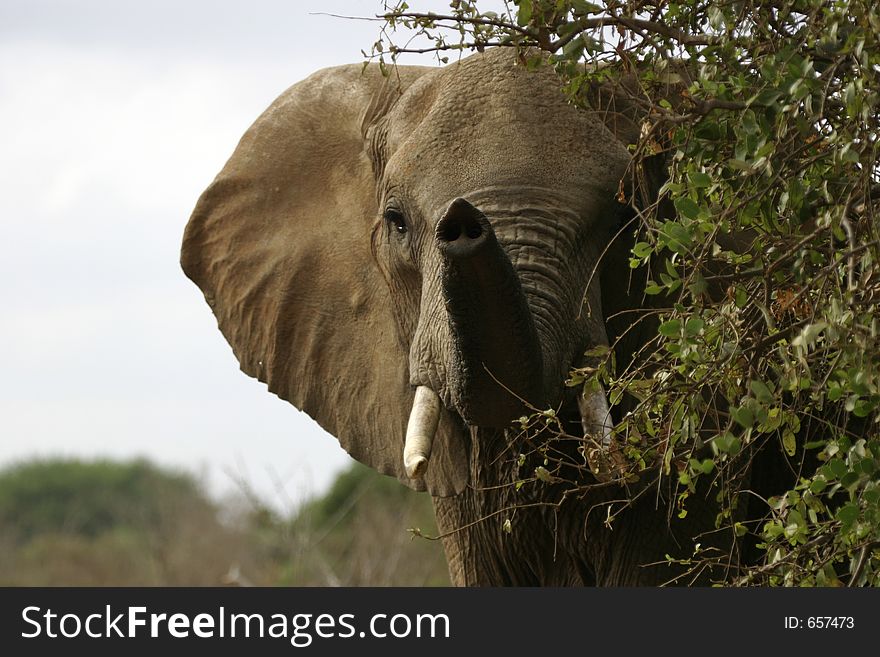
(437, 228)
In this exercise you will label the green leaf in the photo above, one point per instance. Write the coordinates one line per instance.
(574, 48)
(670, 329)
(739, 165)
(761, 391)
(727, 443)
(847, 515)
(748, 124)
(698, 285)
(773, 421)
(675, 236)
(698, 179)
(598, 351)
(835, 391)
(863, 408)
(838, 468)
(742, 415)
(766, 98)
(687, 207)
(582, 8)
(524, 15)
(849, 480)
(789, 443)
(642, 250)
(565, 29)
(773, 529)
(708, 130)
(716, 17)
(765, 150)
(693, 326)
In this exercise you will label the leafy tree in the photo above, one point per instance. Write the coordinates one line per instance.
(757, 256)
(357, 534)
(89, 497)
(108, 523)
(98, 523)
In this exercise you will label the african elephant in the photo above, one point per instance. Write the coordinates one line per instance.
(410, 260)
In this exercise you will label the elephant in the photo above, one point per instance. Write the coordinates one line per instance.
(419, 259)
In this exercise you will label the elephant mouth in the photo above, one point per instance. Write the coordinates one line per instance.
(600, 448)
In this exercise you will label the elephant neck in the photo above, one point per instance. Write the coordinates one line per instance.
(500, 532)
(497, 514)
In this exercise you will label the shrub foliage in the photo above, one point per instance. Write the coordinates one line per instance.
(109, 523)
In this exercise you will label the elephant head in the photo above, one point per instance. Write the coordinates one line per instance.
(410, 259)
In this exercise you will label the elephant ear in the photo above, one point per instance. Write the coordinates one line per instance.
(280, 244)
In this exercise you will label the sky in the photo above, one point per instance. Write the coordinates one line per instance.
(114, 116)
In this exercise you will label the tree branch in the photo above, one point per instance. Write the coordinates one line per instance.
(636, 24)
(459, 19)
(582, 25)
(472, 45)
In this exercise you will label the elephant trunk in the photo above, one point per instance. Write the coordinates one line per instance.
(497, 362)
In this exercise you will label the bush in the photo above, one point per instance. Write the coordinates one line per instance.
(356, 535)
(105, 523)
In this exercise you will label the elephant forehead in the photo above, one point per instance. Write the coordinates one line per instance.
(566, 173)
(501, 151)
(489, 124)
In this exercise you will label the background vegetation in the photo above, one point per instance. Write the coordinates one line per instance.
(115, 524)
(756, 261)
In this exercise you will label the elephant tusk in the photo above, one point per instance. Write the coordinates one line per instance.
(601, 451)
(420, 430)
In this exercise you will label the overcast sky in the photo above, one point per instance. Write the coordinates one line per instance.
(114, 116)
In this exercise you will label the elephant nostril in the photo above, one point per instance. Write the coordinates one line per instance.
(473, 230)
(461, 220)
(449, 231)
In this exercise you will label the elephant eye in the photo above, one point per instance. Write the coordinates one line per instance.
(395, 218)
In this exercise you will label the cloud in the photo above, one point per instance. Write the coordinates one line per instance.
(218, 30)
